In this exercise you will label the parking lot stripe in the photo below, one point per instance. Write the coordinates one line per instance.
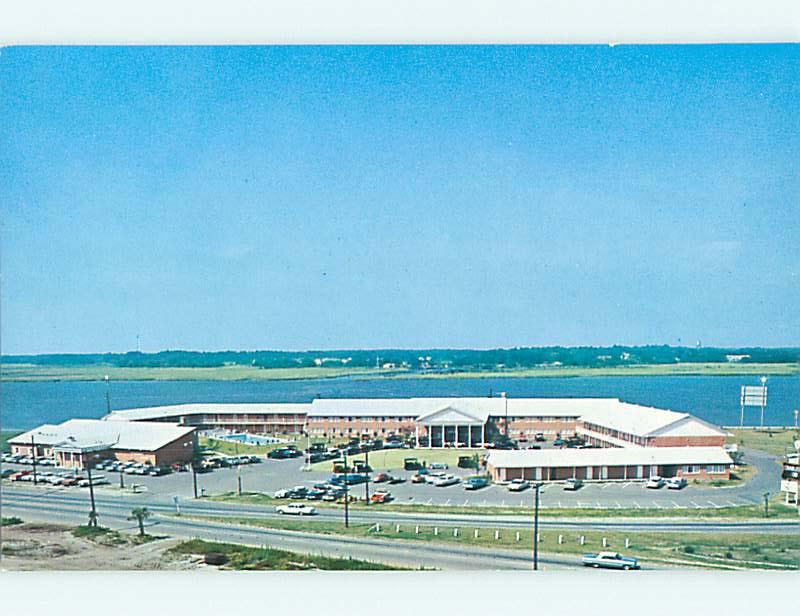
(618, 505)
(448, 502)
(657, 505)
(597, 506)
(677, 506)
(714, 505)
(465, 502)
(696, 506)
(625, 485)
(732, 504)
(638, 506)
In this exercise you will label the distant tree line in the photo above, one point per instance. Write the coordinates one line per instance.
(424, 359)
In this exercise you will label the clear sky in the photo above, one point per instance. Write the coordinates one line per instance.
(353, 197)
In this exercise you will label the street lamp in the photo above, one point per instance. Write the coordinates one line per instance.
(536, 487)
(763, 380)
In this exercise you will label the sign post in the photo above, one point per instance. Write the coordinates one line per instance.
(753, 395)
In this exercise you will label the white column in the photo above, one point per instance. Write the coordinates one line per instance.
(416, 435)
(483, 433)
(444, 428)
(469, 440)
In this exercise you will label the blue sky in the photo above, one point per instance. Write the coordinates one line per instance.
(353, 197)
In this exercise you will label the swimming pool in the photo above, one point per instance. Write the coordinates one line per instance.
(250, 439)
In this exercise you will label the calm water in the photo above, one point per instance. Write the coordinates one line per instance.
(716, 399)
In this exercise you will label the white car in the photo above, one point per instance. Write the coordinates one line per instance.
(438, 466)
(677, 483)
(282, 493)
(295, 509)
(655, 482)
(445, 480)
(518, 485)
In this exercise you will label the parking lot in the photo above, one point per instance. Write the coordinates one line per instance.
(271, 475)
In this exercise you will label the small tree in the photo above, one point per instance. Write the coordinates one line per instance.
(140, 514)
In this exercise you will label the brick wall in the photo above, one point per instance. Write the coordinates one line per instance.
(686, 441)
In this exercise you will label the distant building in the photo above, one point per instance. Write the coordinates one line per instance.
(736, 358)
(790, 479)
(78, 441)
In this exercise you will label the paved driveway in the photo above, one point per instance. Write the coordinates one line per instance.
(273, 475)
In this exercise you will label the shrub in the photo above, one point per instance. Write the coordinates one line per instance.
(215, 558)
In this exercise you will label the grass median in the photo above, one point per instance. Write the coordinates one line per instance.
(772, 440)
(708, 550)
(777, 509)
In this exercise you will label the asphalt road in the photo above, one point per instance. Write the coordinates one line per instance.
(413, 556)
(79, 498)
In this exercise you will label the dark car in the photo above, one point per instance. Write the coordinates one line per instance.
(315, 494)
(475, 483)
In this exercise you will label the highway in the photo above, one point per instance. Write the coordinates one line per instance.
(399, 553)
(46, 497)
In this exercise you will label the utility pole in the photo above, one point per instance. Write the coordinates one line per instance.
(795, 418)
(763, 398)
(366, 483)
(194, 478)
(108, 395)
(346, 495)
(536, 487)
(505, 424)
(766, 504)
(121, 479)
(33, 453)
(93, 512)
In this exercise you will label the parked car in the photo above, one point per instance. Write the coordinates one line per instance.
(315, 494)
(610, 560)
(475, 483)
(438, 466)
(418, 478)
(298, 492)
(445, 480)
(282, 493)
(381, 496)
(559, 442)
(655, 482)
(157, 471)
(296, 509)
(380, 478)
(518, 485)
(395, 479)
(540, 437)
(677, 483)
(573, 484)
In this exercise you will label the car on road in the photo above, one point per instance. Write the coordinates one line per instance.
(573, 484)
(295, 509)
(518, 485)
(445, 480)
(677, 483)
(475, 483)
(655, 483)
(609, 560)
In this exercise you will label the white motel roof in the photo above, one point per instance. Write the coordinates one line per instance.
(644, 420)
(607, 456)
(84, 433)
(177, 410)
(478, 407)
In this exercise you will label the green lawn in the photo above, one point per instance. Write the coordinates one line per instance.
(212, 446)
(713, 550)
(776, 442)
(249, 558)
(777, 510)
(392, 459)
(34, 372)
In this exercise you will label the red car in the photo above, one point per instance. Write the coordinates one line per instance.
(380, 478)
